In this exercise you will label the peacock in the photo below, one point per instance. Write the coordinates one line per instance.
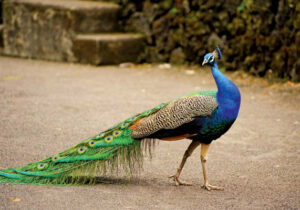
(198, 116)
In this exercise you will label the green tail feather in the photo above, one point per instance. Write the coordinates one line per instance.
(82, 163)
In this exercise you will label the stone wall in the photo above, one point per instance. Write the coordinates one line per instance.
(35, 32)
(257, 36)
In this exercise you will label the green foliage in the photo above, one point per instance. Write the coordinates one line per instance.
(254, 35)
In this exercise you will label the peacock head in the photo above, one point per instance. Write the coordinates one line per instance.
(210, 58)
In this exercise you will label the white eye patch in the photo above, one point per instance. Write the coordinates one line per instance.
(211, 59)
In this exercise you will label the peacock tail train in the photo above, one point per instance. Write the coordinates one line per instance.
(107, 151)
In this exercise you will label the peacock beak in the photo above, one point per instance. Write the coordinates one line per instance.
(205, 61)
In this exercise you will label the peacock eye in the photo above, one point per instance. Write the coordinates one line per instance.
(117, 133)
(124, 125)
(108, 139)
(92, 143)
(55, 158)
(81, 150)
(42, 166)
(211, 59)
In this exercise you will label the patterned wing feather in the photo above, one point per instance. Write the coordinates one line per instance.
(175, 114)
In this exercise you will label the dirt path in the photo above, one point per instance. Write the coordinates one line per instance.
(47, 107)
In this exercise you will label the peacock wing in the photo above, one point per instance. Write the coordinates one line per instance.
(174, 115)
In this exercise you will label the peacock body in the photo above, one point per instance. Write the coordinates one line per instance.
(199, 116)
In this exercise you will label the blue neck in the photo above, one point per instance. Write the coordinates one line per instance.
(228, 96)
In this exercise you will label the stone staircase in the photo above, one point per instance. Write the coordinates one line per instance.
(67, 30)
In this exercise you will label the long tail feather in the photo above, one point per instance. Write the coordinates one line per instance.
(82, 163)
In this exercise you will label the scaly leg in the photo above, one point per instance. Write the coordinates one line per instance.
(187, 153)
(204, 149)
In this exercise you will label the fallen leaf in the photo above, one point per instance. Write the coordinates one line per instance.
(15, 199)
(189, 72)
(291, 83)
(11, 78)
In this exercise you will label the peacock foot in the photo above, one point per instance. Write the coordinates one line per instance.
(177, 182)
(211, 187)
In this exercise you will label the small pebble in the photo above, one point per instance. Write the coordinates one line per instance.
(126, 65)
(164, 66)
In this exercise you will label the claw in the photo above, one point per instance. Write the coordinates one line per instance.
(177, 182)
(211, 187)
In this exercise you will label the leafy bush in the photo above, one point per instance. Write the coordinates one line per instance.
(256, 36)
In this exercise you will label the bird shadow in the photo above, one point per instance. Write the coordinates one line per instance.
(101, 180)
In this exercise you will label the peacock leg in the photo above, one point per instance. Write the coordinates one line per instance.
(207, 186)
(187, 153)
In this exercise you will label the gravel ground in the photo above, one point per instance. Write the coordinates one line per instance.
(46, 107)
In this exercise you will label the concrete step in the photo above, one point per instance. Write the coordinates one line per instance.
(81, 16)
(107, 48)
